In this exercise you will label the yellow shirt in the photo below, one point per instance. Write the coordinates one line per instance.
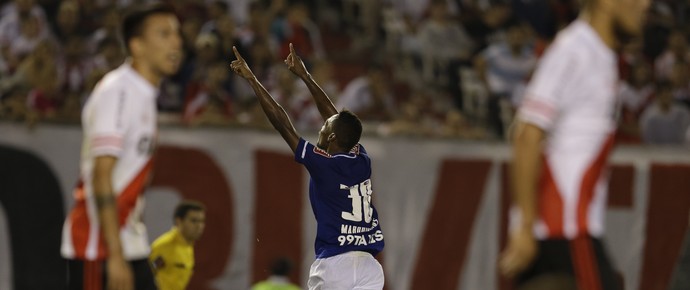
(275, 283)
(172, 259)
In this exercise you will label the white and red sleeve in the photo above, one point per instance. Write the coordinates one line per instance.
(544, 95)
(108, 123)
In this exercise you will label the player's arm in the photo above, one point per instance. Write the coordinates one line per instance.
(323, 102)
(527, 148)
(119, 272)
(274, 111)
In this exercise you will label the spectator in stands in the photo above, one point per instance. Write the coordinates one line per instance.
(262, 60)
(40, 80)
(216, 10)
(259, 23)
(225, 31)
(630, 56)
(190, 31)
(403, 47)
(676, 51)
(664, 122)
(32, 31)
(207, 101)
(188, 9)
(635, 94)
(298, 29)
(67, 21)
(502, 67)
(445, 44)
(658, 27)
(285, 92)
(310, 118)
(411, 121)
(173, 89)
(369, 96)
(109, 55)
(108, 30)
(207, 50)
(456, 125)
(74, 67)
(680, 82)
(12, 16)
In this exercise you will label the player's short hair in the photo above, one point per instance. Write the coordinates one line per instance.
(185, 207)
(134, 20)
(348, 129)
(281, 267)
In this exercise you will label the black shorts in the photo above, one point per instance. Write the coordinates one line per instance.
(92, 275)
(582, 258)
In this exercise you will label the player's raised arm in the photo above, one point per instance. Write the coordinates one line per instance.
(274, 111)
(323, 102)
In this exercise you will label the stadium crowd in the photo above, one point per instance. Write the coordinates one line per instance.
(437, 68)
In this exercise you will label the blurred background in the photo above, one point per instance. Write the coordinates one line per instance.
(436, 82)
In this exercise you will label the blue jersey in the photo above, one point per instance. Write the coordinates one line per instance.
(340, 195)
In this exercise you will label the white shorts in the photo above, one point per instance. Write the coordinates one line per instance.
(347, 271)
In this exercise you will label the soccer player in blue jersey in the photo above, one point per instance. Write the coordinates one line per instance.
(348, 234)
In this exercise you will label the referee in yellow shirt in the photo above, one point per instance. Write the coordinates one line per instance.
(172, 254)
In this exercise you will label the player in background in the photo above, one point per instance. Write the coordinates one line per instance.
(104, 239)
(348, 234)
(172, 254)
(563, 136)
(279, 279)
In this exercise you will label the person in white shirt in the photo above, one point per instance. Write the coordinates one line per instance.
(676, 51)
(104, 239)
(502, 67)
(368, 96)
(562, 138)
(665, 121)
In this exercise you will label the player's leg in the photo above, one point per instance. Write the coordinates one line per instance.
(85, 275)
(369, 273)
(317, 273)
(143, 276)
(75, 275)
(332, 273)
(607, 275)
(591, 265)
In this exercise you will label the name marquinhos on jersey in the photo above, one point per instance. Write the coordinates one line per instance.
(350, 229)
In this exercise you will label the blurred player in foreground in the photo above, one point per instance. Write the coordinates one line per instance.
(103, 237)
(348, 234)
(563, 136)
(172, 254)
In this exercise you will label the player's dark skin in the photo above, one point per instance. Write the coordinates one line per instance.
(276, 114)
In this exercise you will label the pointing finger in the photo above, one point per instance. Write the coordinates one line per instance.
(237, 54)
(292, 49)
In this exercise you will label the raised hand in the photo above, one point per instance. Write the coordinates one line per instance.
(295, 64)
(240, 67)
